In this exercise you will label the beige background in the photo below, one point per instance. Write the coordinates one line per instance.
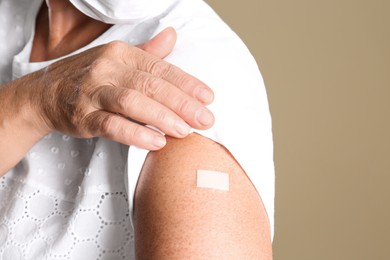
(326, 65)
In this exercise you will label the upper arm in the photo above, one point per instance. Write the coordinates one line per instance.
(174, 219)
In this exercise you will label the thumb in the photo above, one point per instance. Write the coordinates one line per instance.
(162, 44)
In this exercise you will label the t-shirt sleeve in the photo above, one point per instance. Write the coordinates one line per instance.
(208, 49)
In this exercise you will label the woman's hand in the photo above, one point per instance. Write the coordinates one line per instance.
(95, 92)
(109, 91)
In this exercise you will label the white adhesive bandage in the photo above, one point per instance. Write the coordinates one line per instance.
(212, 180)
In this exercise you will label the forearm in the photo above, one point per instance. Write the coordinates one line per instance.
(18, 121)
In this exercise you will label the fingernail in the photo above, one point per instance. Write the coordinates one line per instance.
(182, 128)
(205, 117)
(204, 95)
(159, 141)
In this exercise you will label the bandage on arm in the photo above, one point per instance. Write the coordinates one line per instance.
(194, 201)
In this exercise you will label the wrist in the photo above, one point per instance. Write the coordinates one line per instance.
(21, 107)
(20, 126)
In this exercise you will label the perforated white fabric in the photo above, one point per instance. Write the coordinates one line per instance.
(67, 199)
(38, 224)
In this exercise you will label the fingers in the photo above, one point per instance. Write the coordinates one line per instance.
(162, 44)
(147, 90)
(131, 103)
(177, 77)
(156, 89)
(120, 129)
(189, 109)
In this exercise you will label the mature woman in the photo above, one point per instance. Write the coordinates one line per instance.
(85, 103)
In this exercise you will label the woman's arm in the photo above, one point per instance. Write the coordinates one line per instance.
(20, 124)
(175, 219)
(93, 93)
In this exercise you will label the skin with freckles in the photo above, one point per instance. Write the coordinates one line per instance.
(174, 219)
(94, 93)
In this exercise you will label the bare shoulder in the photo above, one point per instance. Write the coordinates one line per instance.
(184, 211)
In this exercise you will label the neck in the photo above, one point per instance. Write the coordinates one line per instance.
(63, 19)
(62, 29)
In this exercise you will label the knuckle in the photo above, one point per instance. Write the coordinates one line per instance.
(127, 99)
(117, 50)
(98, 67)
(127, 78)
(134, 133)
(87, 125)
(162, 116)
(150, 86)
(159, 68)
(189, 83)
(115, 46)
(184, 106)
(184, 80)
(122, 99)
(106, 124)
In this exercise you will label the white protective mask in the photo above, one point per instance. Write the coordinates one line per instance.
(122, 11)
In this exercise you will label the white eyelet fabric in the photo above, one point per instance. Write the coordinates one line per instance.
(56, 204)
(72, 198)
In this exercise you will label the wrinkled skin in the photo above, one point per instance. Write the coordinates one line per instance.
(104, 92)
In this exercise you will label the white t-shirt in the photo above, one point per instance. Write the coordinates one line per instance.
(67, 198)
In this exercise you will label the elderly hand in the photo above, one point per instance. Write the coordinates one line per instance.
(95, 92)
(109, 91)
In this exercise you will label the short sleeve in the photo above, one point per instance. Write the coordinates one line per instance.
(208, 49)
